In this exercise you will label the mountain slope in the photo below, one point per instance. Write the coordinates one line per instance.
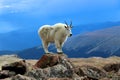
(98, 43)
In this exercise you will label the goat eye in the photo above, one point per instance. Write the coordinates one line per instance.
(65, 27)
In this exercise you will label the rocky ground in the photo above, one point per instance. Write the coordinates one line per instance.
(6, 59)
(59, 67)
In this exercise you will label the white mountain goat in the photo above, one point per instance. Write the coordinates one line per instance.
(57, 34)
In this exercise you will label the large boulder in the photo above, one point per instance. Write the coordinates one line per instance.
(52, 66)
(49, 60)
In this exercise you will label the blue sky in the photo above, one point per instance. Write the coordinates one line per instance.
(31, 14)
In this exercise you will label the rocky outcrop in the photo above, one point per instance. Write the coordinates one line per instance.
(52, 65)
(57, 67)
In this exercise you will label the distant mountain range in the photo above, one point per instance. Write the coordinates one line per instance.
(18, 40)
(24, 38)
(6, 52)
(102, 43)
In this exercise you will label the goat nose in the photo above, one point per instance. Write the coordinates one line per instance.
(70, 34)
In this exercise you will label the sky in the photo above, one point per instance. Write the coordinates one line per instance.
(28, 15)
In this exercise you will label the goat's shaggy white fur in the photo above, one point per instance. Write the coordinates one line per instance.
(57, 34)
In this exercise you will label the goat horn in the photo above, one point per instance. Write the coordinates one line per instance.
(66, 23)
(70, 23)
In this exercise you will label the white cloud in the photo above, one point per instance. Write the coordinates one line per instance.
(52, 6)
(19, 5)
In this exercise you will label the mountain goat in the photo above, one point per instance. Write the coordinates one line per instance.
(57, 34)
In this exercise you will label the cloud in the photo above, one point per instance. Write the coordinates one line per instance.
(16, 6)
(46, 7)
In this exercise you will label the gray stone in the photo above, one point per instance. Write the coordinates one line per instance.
(6, 74)
(21, 77)
(92, 72)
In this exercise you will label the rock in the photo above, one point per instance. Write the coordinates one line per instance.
(116, 78)
(20, 67)
(52, 66)
(10, 56)
(107, 79)
(6, 74)
(48, 60)
(59, 79)
(21, 77)
(91, 72)
(79, 71)
(113, 70)
(7, 59)
(58, 67)
(115, 67)
(80, 78)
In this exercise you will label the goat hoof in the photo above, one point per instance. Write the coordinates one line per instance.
(47, 53)
(60, 52)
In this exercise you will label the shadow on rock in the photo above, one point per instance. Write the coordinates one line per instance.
(20, 67)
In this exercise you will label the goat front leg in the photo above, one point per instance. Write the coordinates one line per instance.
(58, 46)
(45, 46)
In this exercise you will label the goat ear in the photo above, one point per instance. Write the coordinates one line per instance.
(65, 26)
